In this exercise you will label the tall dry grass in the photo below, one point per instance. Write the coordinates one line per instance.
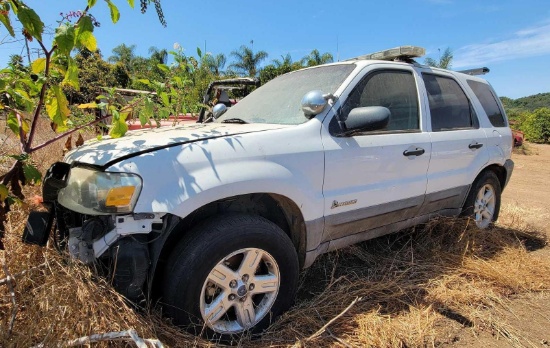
(409, 288)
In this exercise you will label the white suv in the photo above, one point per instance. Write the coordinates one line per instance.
(217, 219)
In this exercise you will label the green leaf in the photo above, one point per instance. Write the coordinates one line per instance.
(199, 52)
(71, 76)
(165, 99)
(149, 108)
(131, 3)
(5, 19)
(115, 14)
(31, 21)
(84, 25)
(12, 123)
(3, 192)
(32, 175)
(88, 106)
(91, 3)
(84, 34)
(163, 67)
(144, 81)
(88, 40)
(38, 65)
(119, 126)
(164, 114)
(64, 38)
(57, 107)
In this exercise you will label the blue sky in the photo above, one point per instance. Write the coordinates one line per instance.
(512, 38)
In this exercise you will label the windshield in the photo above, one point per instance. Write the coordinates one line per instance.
(279, 100)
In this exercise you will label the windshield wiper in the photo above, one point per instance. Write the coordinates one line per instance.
(234, 120)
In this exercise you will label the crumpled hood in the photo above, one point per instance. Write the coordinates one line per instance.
(101, 152)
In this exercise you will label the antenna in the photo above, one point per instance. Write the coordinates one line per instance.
(337, 50)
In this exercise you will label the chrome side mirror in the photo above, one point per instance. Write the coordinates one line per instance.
(313, 103)
(219, 110)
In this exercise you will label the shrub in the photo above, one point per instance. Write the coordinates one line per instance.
(536, 126)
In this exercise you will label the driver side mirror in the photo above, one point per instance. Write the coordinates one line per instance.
(369, 118)
(219, 110)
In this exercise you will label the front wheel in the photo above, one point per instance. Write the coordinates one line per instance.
(232, 274)
(483, 201)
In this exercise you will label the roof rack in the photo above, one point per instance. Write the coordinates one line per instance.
(397, 53)
(478, 71)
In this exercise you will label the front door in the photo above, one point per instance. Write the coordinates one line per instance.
(376, 178)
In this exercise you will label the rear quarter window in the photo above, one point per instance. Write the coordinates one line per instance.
(488, 101)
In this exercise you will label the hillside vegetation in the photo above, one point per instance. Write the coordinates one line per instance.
(531, 115)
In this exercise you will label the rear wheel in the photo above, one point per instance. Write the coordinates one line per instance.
(483, 202)
(232, 274)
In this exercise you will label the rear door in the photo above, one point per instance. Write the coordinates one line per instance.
(459, 144)
(373, 179)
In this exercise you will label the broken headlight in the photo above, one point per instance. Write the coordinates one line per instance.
(92, 192)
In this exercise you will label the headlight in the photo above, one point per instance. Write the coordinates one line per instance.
(100, 193)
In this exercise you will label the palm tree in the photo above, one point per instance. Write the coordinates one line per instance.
(247, 62)
(125, 56)
(316, 58)
(445, 61)
(215, 63)
(158, 56)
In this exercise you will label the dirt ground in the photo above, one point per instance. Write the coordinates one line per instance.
(528, 316)
(529, 186)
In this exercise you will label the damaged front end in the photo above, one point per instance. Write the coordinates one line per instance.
(90, 213)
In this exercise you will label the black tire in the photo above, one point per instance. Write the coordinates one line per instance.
(207, 246)
(486, 179)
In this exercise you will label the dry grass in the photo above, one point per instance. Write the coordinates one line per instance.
(411, 285)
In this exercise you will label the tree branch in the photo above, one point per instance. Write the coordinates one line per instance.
(38, 109)
(61, 136)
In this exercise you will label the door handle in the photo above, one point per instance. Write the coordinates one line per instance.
(475, 145)
(416, 152)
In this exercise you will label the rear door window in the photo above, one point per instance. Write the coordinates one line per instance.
(450, 109)
(488, 102)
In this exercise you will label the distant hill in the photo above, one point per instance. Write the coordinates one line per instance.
(530, 103)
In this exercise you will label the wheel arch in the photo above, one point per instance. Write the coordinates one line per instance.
(276, 208)
(499, 171)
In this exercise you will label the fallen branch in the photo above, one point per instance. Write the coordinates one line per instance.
(10, 281)
(12, 277)
(128, 335)
(324, 327)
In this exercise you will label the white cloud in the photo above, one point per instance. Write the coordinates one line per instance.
(529, 42)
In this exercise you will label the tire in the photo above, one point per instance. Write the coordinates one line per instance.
(206, 276)
(483, 201)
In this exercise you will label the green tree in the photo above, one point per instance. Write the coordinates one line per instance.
(215, 63)
(316, 58)
(279, 67)
(445, 61)
(536, 126)
(124, 55)
(94, 75)
(247, 62)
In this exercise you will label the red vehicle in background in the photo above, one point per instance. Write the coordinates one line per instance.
(518, 137)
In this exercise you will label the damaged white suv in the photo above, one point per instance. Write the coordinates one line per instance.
(217, 219)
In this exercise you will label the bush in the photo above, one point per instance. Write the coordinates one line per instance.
(536, 126)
